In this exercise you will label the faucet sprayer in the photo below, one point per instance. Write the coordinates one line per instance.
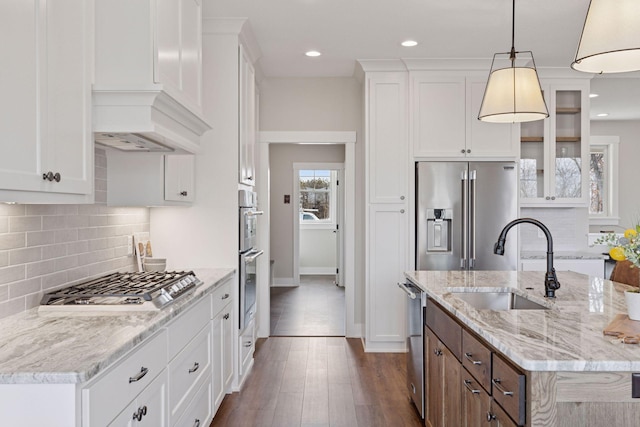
(550, 279)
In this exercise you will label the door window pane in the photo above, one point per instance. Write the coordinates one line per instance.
(315, 195)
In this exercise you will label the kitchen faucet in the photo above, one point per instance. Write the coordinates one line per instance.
(550, 279)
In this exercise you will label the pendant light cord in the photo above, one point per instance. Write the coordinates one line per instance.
(512, 54)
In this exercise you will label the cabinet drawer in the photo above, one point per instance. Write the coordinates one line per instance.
(508, 389)
(199, 413)
(476, 357)
(247, 346)
(111, 393)
(447, 329)
(221, 296)
(186, 370)
(187, 325)
(499, 418)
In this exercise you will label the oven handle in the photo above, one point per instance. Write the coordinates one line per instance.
(405, 288)
(252, 256)
(254, 213)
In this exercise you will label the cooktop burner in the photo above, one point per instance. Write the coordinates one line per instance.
(126, 289)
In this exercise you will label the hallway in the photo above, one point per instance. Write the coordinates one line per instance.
(320, 381)
(315, 308)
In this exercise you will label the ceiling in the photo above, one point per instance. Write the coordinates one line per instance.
(349, 30)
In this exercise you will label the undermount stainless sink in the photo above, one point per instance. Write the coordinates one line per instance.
(492, 300)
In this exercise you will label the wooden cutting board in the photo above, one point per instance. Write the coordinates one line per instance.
(624, 328)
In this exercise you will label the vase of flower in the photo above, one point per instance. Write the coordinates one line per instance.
(633, 304)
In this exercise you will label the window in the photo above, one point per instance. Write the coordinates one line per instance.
(603, 180)
(317, 196)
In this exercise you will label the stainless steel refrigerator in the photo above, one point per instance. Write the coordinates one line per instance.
(461, 209)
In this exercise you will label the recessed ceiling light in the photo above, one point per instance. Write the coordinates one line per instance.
(603, 114)
(409, 43)
(313, 53)
(593, 95)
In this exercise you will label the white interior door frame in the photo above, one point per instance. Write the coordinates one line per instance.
(347, 138)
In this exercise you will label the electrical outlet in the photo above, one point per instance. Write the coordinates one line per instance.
(129, 245)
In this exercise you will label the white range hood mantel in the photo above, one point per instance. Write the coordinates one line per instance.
(150, 112)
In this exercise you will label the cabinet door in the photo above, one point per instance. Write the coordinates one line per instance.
(218, 360)
(387, 143)
(443, 397)
(179, 178)
(387, 261)
(227, 347)
(438, 115)
(498, 417)
(487, 139)
(247, 119)
(433, 380)
(149, 409)
(475, 402)
(191, 51)
(47, 78)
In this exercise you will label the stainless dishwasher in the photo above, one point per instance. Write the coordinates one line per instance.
(415, 361)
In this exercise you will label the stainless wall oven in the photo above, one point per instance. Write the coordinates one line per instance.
(247, 202)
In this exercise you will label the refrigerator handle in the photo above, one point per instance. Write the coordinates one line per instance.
(465, 220)
(472, 218)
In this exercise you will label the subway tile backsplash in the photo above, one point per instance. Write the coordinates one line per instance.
(47, 246)
(568, 227)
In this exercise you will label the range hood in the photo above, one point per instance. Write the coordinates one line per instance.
(146, 119)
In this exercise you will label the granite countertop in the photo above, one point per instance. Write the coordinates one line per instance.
(566, 337)
(562, 255)
(63, 347)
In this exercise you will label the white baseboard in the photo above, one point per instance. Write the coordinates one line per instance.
(319, 271)
(284, 282)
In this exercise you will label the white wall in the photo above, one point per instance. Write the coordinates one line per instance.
(323, 104)
(568, 226)
(281, 160)
(629, 174)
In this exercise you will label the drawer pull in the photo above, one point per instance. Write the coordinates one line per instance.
(141, 374)
(196, 423)
(226, 316)
(196, 365)
(248, 344)
(437, 352)
(141, 412)
(467, 384)
(183, 193)
(475, 362)
(490, 417)
(496, 383)
(225, 296)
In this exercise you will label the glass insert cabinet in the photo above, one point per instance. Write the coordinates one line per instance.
(554, 153)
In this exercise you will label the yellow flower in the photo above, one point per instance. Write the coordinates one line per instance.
(617, 253)
(630, 233)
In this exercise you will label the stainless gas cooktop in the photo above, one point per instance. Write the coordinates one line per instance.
(124, 291)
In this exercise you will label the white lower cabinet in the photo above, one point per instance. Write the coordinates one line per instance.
(200, 411)
(247, 343)
(149, 409)
(222, 343)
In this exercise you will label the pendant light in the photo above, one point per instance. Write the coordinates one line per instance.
(513, 93)
(610, 40)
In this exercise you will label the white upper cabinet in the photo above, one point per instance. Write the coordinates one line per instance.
(46, 153)
(149, 70)
(387, 142)
(248, 117)
(554, 161)
(444, 117)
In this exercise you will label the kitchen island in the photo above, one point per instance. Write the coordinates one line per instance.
(572, 374)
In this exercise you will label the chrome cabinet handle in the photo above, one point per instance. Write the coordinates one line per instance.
(254, 213)
(225, 296)
(437, 352)
(462, 151)
(50, 176)
(490, 417)
(196, 423)
(226, 316)
(475, 362)
(57, 177)
(196, 365)
(401, 197)
(547, 198)
(141, 412)
(401, 210)
(467, 384)
(553, 197)
(468, 150)
(496, 383)
(248, 344)
(183, 193)
(141, 374)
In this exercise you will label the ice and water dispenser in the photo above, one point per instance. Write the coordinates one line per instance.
(439, 230)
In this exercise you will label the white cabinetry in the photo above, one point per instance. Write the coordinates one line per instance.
(141, 179)
(444, 116)
(554, 161)
(47, 151)
(149, 409)
(222, 333)
(590, 267)
(247, 99)
(388, 170)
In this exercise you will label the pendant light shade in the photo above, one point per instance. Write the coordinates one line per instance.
(513, 92)
(513, 95)
(610, 40)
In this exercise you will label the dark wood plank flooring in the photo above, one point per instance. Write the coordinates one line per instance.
(320, 381)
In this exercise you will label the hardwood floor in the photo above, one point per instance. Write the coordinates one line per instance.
(315, 308)
(320, 381)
